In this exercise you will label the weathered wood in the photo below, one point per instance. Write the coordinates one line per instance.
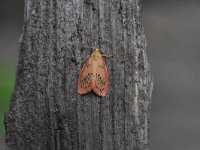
(46, 112)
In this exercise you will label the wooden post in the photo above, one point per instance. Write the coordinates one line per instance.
(46, 111)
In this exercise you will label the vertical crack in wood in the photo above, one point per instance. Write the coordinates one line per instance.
(100, 124)
(124, 30)
(100, 13)
(112, 84)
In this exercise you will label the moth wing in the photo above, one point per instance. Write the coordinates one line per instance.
(101, 78)
(85, 77)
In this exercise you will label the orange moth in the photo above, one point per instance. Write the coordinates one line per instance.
(94, 75)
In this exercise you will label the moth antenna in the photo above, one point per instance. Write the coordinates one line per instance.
(106, 55)
(89, 47)
(88, 2)
(85, 59)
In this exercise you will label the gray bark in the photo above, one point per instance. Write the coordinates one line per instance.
(46, 111)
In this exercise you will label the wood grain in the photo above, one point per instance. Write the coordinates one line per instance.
(46, 111)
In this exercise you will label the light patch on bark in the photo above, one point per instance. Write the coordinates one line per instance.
(136, 104)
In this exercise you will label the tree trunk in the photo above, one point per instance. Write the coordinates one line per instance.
(46, 111)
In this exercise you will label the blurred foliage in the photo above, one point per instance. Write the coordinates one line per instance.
(7, 78)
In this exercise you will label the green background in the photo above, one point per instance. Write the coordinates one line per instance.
(7, 78)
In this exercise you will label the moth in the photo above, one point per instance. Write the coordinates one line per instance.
(94, 75)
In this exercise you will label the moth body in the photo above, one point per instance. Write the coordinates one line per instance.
(94, 75)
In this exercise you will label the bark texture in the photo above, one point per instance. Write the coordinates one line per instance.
(46, 111)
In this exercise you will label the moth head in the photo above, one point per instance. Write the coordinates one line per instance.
(96, 54)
